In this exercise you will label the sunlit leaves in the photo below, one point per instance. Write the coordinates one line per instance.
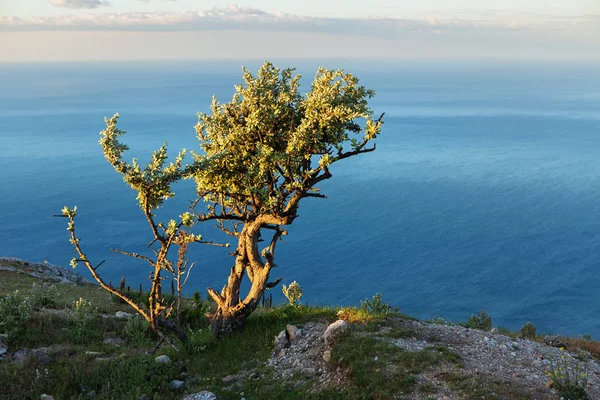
(270, 141)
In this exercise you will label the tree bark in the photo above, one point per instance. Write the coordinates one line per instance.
(232, 311)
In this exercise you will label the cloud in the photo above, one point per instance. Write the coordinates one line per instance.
(79, 3)
(253, 19)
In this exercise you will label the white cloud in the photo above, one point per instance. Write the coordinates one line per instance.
(79, 3)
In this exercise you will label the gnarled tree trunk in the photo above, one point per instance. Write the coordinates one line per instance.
(232, 310)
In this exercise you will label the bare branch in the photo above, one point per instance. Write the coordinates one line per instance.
(134, 255)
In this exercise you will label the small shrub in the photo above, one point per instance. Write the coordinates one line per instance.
(376, 306)
(528, 331)
(15, 309)
(292, 293)
(482, 321)
(44, 295)
(194, 314)
(569, 382)
(587, 337)
(84, 314)
(137, 330)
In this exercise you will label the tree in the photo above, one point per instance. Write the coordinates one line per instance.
(265, 151)
(153, 187)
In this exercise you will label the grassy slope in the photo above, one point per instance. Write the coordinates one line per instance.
(130, 372)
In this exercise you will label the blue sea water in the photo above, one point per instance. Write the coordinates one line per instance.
(483, 191)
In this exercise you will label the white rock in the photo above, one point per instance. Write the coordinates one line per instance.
(293, 332)
(164, 359)
(46, 397)
(204, 395)
(123, 315)
(327, 356)
(176, 385)
(281, 342)
(334, 331)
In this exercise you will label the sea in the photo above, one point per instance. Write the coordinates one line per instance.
(483, 193)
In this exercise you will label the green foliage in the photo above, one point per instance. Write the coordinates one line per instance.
(194, 312)
(528, 331)
(153, 183)
(137, 330)
(44, 295)
(376, 306)
(84, 314)
(270, 142)
(15, 309)
(569, 382)
(482, 321)
(292, 293)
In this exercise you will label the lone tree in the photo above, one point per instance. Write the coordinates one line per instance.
(265, 151)
(153, 186)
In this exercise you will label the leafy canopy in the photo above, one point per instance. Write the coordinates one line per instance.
(271, 142)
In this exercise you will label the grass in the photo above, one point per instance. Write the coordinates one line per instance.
(474, 387)
(379, 369)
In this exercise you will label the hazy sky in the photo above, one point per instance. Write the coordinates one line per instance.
(32, 30)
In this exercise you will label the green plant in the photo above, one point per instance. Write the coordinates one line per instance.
(292, 293)
(15, 309)
(83, 316)
(137, 330)
(482, 321)
(43, 295)
(376, 306)
(569, 382)
(528, 331)
(263, 152)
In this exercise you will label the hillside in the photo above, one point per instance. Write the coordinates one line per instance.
(66, 348)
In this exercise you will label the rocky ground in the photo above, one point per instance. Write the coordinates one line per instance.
(513, 364)
(41, 270)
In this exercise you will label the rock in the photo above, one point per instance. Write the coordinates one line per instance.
(327, 356)
(293, 332)
(204, 395)
(164, 359)
(554, 341)
(228, 379)
(282, 341)
(176, 385)
(334, 331)
(309, 371)
(113, 341)
(3, 348)
(46, 397)
(123, 315)
(494, 330)
(92, 353)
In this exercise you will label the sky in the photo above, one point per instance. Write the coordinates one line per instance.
(56, 30)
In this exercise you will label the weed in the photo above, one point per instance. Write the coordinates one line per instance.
(376, 306)
(528, 331)
(15, 309)
(137, 330)
(569, 382)
(84, 314)
(482, 321)
(292, 293)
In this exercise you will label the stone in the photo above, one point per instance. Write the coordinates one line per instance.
(494, 330)
(554, 341)
(3, 348)
(123, 315)
(164, 359)
(293, 332)
(92, 353)
(176, 385)
(46, 397)
(327, 356)
(334, 332)
(282, 341)
(204, 395)
(228, 379)
(113, 341)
